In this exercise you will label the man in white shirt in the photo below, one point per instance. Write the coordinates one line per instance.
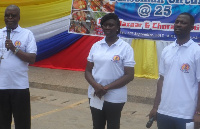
(16, 53)
(177, 100)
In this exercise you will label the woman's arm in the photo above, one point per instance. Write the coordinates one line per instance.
(125, 79)
(99, 90)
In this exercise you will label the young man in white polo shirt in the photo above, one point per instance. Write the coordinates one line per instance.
(177, 100)
(15, 55)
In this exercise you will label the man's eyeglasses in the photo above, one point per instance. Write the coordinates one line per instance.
(10, 15)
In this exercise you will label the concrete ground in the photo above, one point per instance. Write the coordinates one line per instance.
(139, 90)
(61, 110)
(59, 100)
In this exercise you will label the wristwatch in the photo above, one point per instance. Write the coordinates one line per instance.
(197, 112)
(16, 50)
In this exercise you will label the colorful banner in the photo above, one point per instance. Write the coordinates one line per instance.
(142, 19)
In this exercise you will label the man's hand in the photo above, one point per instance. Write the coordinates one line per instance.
(153, 113)
(196, 121)
(9, 45)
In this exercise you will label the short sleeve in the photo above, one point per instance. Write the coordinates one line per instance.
(161, 65)
(31, 43)
(90, 56)
(129, 58)
(197, 61)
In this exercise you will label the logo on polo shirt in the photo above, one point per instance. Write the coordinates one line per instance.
(185, 68)
(17, 44)
(116, 58)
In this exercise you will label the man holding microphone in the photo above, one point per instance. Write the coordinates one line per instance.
(18, 49)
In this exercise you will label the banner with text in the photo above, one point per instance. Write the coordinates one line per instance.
(142, 19)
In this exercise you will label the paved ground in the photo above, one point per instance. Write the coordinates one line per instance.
(59, 100)
(139, 90)
(60, 110)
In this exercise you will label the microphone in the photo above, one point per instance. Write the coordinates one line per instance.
(150, 122)
(8, 35)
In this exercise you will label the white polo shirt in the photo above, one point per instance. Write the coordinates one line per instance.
(180, 66)
(109, 63)
(14, 71)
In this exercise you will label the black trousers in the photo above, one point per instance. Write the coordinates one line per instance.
(111, 113)
(168, 122)
(15, 102)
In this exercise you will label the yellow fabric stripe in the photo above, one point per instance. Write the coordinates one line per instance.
(145, 58)
(34, 12)
(24, 2)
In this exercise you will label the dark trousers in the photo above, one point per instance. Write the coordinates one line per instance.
(168, 122)
(15, 102)
(110, 113)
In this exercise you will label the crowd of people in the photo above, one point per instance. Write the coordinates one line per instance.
(110, 67)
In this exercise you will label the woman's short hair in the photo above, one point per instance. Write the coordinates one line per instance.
(111, 16)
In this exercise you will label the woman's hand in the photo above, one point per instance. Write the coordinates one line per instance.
(99, 91)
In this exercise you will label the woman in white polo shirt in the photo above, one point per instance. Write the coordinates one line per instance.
(109, 68)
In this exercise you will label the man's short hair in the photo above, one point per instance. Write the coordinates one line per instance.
(191, 17)
(14, 6)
